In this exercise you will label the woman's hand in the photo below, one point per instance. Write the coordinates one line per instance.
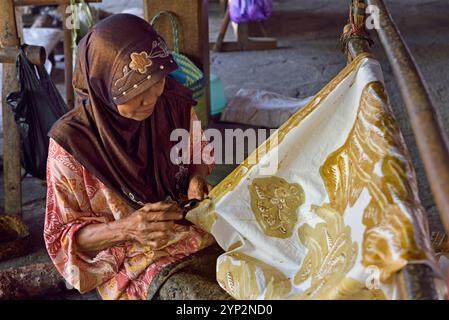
(198, 187)
(152, 224)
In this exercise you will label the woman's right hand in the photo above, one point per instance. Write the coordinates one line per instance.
(152, 224)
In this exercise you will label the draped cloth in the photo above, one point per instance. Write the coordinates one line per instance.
(339, 216)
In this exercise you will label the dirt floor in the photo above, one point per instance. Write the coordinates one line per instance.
(308, 57)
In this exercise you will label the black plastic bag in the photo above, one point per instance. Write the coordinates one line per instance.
(36, 107)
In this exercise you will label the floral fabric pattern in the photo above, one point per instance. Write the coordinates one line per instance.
(75, 199)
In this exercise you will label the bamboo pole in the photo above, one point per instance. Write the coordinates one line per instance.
(415, 280)
(11, 143)
(424, 117)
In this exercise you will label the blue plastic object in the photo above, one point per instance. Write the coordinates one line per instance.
(217, 95)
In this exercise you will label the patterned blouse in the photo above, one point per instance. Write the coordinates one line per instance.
(75, 198)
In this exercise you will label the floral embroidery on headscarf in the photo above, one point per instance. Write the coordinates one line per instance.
(140, 62)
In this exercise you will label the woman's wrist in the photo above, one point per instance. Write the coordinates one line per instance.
(94, 238)
(123, 227)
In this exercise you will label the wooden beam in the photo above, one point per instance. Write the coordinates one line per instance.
(11, 142)
(31, 281)
(35, 54)
(250, 45)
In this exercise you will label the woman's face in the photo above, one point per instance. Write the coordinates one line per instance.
(142, 106)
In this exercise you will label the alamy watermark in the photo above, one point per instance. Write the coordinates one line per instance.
(72, 276)
(372, 17)
(72, 20)
(373, 280)
(228, 149)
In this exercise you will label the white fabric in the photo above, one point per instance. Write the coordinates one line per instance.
(340, 214)
(261, 108)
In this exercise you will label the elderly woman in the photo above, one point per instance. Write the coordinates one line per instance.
(112, 217)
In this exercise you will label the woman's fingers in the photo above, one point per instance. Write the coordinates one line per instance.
(196, 189)
(157, 238)
(160, 206)
(157, 235)
(161, 226)
(162, 216)
(155, 244)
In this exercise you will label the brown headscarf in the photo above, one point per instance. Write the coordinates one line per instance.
(121, 57)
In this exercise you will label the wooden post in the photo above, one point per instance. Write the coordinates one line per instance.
(68, 57)
(241, 31)
(194, 31)
(11, 142)
(222, 33)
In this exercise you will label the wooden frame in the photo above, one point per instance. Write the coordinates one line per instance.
(416, 280)
(10, 42)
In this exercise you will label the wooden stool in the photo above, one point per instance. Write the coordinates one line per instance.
(244, 41)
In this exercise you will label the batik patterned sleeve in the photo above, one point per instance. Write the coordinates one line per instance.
(198, 142)
(68, 209)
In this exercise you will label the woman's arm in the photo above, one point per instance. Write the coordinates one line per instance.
(94, 238)
(149, 225)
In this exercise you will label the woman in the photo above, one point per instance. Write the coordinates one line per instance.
(112, 218)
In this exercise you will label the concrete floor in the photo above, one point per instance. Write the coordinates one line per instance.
(308, 57)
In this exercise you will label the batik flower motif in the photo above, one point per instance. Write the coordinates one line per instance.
(140, 62)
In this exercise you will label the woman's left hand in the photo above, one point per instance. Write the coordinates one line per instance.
(198, 187)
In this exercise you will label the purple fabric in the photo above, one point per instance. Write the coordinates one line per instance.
(250, 10)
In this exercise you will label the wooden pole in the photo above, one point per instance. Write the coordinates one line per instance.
(432, 142)
(415, 280)
(11, 143)
(222, 33)
(68, 58)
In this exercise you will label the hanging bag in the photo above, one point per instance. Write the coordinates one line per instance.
(188, 74)
(242, 11)
(36, 107)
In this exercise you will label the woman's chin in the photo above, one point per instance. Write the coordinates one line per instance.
(142, 117)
